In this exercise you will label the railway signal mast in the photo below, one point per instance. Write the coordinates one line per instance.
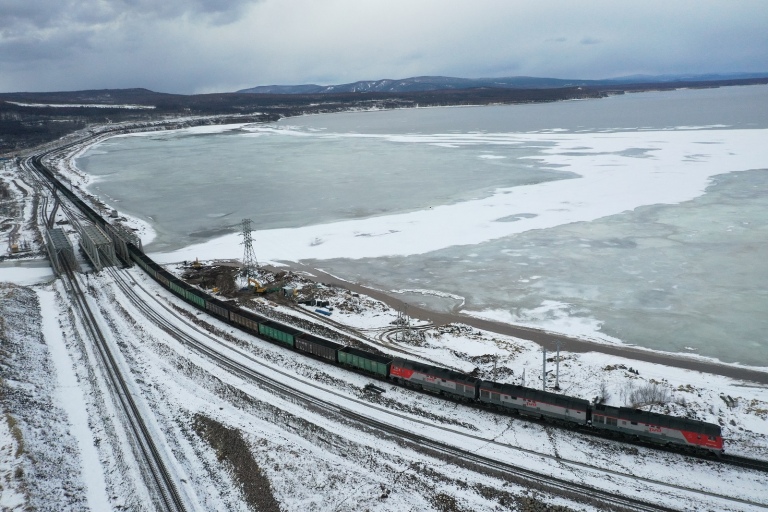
(557, 372)
(250, 265)
(405, 324)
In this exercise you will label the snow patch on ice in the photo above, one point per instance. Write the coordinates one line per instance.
(552, 316)
(610, 183)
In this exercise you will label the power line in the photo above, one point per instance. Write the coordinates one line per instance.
(250, 265)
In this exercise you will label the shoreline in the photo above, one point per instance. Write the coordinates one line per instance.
(540, 337)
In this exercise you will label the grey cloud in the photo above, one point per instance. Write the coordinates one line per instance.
(46, 30)
(207, 45)
(216, 12)
(43, 14)
(58, 46)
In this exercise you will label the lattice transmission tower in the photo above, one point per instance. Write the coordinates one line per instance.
(250, 265)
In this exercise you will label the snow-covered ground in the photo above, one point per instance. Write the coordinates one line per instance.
(315, 460)
(83, 105)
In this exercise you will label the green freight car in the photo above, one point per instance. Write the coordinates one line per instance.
(366, 361)
(177, 287)
(277, 332)
(193, 296)
(187, 293)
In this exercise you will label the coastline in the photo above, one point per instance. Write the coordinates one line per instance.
(541, 337)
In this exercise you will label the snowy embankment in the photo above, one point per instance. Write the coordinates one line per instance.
(314, 460)
(562, 453)
(83, 105)
(741, 408)
(40, 466)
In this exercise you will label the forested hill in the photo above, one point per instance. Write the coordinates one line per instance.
(28, 119)
(436, 83)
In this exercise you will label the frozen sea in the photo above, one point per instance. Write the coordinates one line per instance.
(640, 218)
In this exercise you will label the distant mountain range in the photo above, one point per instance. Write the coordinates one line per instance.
(436, 83)
(28, 119)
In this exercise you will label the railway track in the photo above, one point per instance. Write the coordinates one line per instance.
(236, 366)
(384, 336)
(157, 476)
(743, 462)
(557, 485)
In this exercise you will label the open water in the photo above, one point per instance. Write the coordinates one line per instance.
(689, 277)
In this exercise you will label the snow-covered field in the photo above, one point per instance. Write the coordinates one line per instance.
(317, 462)
(76, 454)
(83, 105)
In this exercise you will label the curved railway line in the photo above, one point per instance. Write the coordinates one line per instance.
(217, 353)
(383, 339)
(159, 479)
(163, 482)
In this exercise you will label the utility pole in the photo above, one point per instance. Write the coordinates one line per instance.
(557, 365)
(407, 321)
(544, 369)
(403, 324)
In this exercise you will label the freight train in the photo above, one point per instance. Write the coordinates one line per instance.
(627, 422)
(620, 421)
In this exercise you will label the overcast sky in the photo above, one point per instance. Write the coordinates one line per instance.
(193, 46)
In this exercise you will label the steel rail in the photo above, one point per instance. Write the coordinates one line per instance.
(730, 459)
(159, 476)
(556, 485)
(156, 474)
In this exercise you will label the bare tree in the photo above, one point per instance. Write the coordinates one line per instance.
(605, 395)
(647, 394)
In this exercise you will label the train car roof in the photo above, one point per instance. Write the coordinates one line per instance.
(276, 325)
(662, 420)
(179, 282)
(320, 341)
(368, 355)
(221, 303)
(533, 394)
(665, 420)
(435, 370)
(249, 315)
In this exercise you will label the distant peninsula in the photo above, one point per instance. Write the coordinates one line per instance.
(28, 119)
(439, 83)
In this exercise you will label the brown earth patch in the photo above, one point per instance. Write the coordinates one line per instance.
(233, 451)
